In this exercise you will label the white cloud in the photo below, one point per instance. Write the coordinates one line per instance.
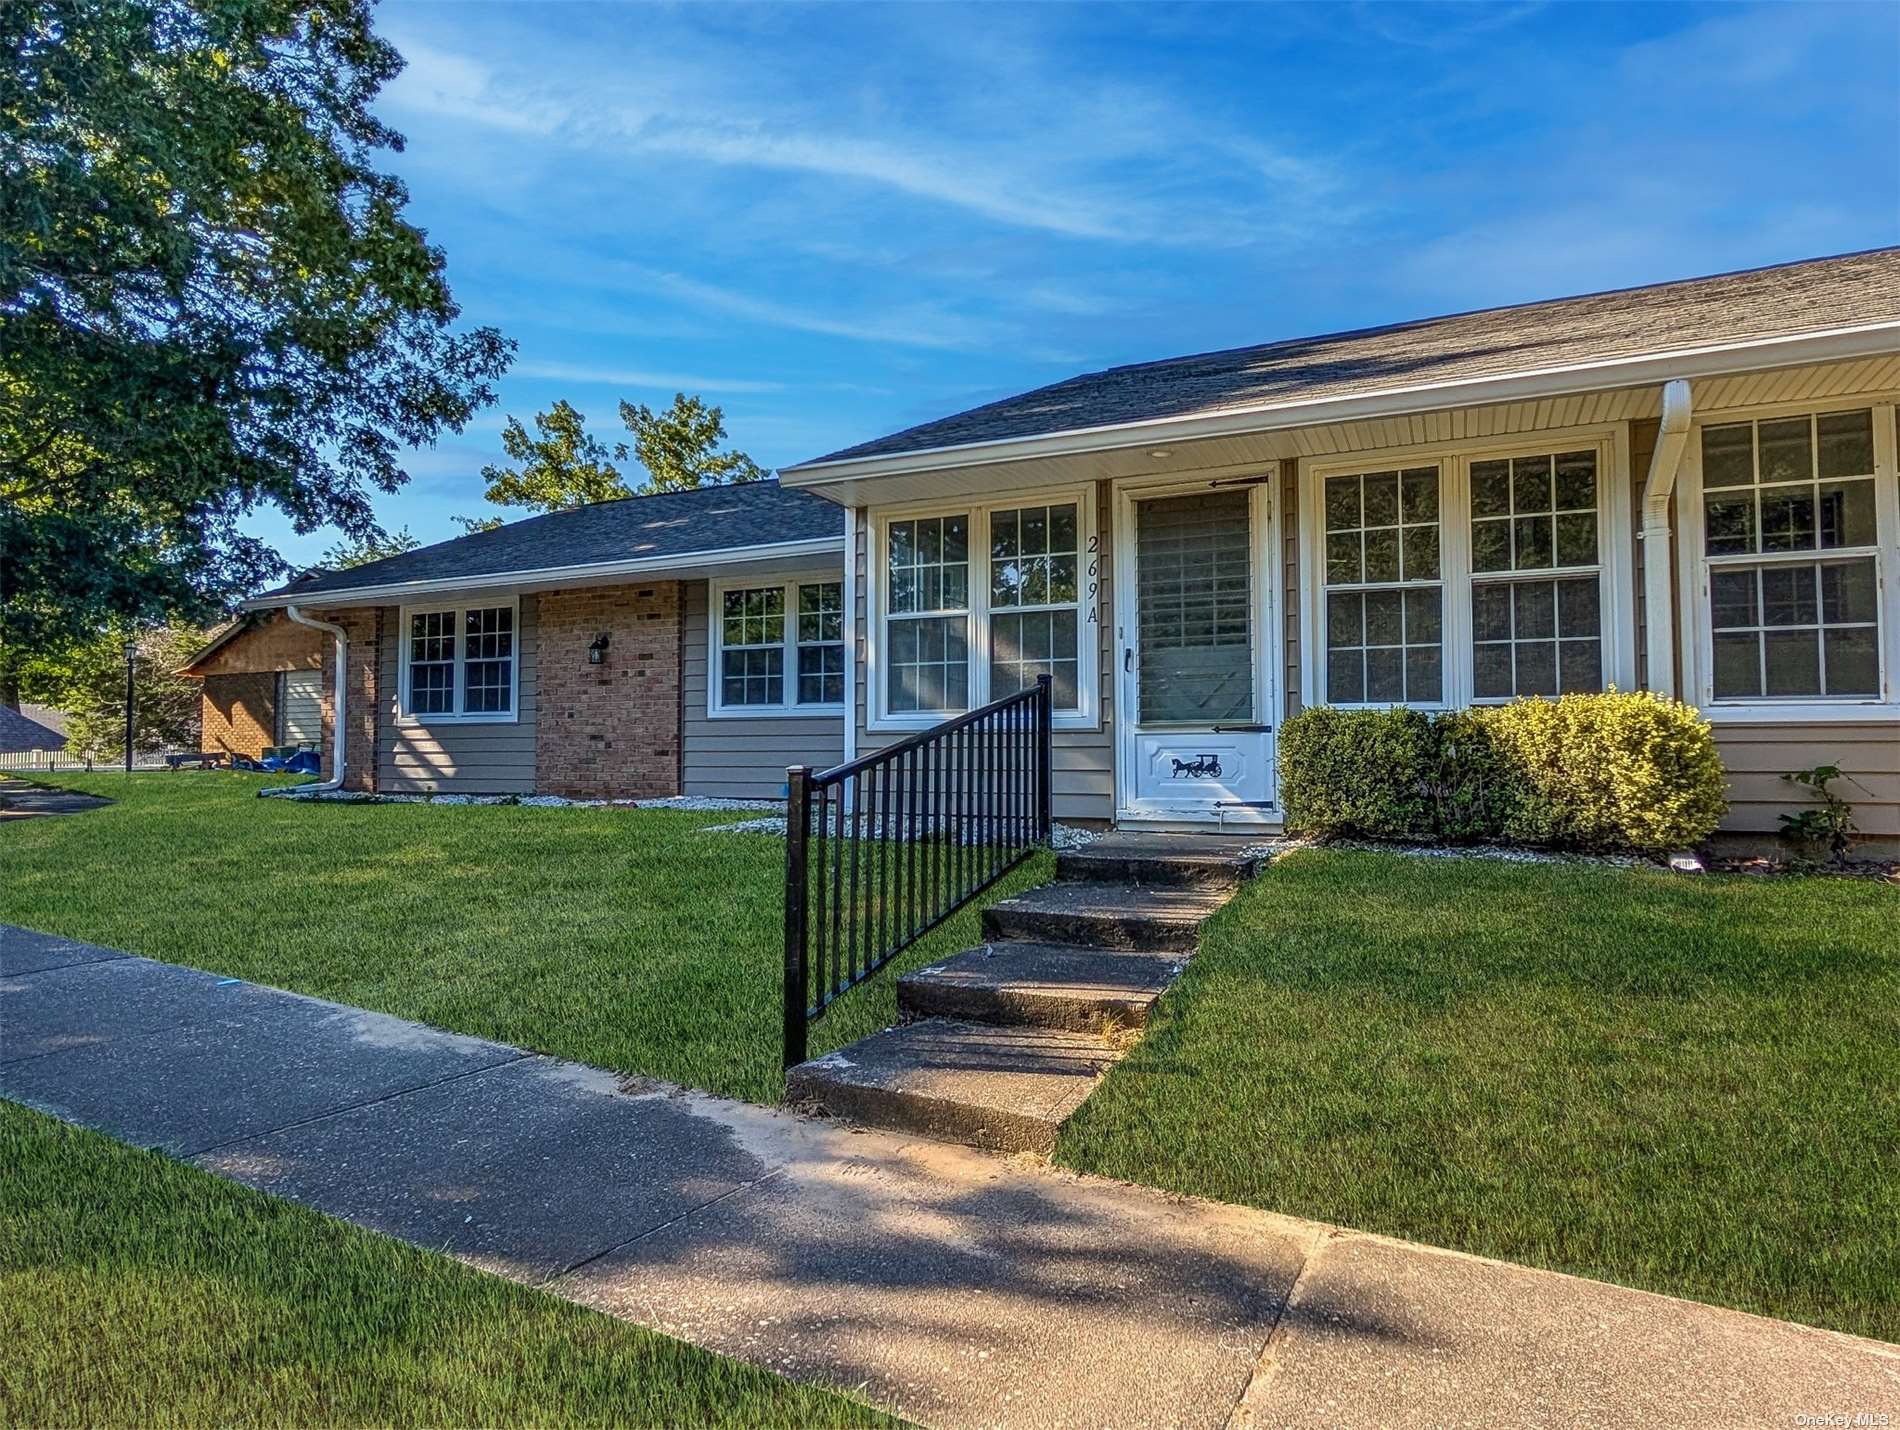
(1022, 143)
(630, 377)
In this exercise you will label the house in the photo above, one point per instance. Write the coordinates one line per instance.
(569, 653)
(262, 686)
(20, 733)
(1689, 487)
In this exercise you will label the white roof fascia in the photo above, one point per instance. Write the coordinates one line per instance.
(1786, 350)
(397, 591)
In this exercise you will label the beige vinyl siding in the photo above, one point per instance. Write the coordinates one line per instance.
(743, 758)
(1757, 756)
(300, 708)
(450, 757)
(1082, 762)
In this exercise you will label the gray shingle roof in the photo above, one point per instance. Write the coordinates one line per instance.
(1633, 322)
(19, 733)
(709, 520)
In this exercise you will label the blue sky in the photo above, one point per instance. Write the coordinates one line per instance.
(836, 221)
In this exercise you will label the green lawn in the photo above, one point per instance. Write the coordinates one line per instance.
(138, 1291)
(633, 940)
(1691, 1085)
(1687, 1085)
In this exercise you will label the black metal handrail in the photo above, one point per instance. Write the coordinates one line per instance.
(882, 849)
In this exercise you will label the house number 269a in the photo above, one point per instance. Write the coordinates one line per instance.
(1095, 570)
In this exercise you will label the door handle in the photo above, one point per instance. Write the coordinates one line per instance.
(1243, 729)
(1128, 659)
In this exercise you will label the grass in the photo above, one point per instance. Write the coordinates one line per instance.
(1686, 1085)
(633, 940)
(136, 1290)
(1689, 1085)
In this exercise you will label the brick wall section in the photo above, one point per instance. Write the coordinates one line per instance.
(609, 731)
(239, 713)
(278, 644)
(362, 697)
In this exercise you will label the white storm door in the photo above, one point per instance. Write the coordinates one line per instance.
(1197, 740)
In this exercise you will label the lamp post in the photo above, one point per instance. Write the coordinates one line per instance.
(131, 657)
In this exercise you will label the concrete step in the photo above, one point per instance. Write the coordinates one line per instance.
(1043, 985)
(1148, 917)
(1128, 857)
(1006, 1089)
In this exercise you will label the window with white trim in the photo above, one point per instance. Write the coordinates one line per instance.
(1384, 588)
(1537, 575)
(974, 605)
(1035, 598)
(821, 643)
(752, 646)
(929, 623)
(1791, 545)
(1460, 574)
(776, 648)
(460, 663)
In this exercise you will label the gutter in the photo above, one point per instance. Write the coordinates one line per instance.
(544, 575)
(1828, 345)
(339, 721)
(1678, 404)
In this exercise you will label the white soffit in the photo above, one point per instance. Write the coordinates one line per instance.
(1236, 451)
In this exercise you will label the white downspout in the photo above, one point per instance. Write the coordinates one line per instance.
(1658, 600)
(339, 718)
(850, 634)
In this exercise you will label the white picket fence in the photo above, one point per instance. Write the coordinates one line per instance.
(51, 761)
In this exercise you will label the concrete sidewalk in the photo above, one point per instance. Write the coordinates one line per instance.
(953, 1286)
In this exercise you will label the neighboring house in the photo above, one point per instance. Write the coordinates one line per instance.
(54, 720)
(262, 679)
(569, 653)
(20, 733)
(1690, 488)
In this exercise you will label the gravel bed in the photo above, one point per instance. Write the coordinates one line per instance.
(1503, 853)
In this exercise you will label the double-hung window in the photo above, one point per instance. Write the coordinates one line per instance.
(1790, 530)
(1035, 621)
(1465, 576)
(929, 631)
(821, 643)
(1536, 575)
(1384, 588)
(976, 604)
(459, 663)
(777, 648)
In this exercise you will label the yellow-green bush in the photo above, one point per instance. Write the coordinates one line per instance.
(1610, 772)
(1598, 772)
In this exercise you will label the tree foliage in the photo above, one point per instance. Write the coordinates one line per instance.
(562, 465)
(680, 447)
(210, 300)
(374, 546)
(88, 684)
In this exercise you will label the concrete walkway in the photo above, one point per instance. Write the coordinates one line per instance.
(953, 1286)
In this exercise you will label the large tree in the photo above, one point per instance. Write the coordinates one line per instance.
(561, 465)
(210, 300)
(680, 446)
(88, 685)
(361, 550)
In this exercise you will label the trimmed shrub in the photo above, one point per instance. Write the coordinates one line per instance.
(1589, 772)
(1610, 772)
(1367, 773)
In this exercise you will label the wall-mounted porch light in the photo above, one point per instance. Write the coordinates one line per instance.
(597, 652)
